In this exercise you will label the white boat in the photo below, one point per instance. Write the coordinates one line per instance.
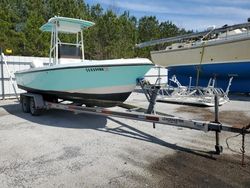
(69, 76)
(219, 53)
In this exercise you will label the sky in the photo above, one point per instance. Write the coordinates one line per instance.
(194, 15)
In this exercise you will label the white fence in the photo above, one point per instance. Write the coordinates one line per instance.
(16, 63)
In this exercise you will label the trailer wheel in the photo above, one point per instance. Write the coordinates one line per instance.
(25, 104)
(33, 110)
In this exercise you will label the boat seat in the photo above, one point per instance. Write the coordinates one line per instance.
(69, 61)
(68, 51)
(36, 63)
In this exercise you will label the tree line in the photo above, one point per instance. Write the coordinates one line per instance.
(113, 36)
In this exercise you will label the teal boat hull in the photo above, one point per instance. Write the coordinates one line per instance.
(86, 84)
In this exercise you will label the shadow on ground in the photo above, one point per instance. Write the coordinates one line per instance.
(193, 171)
(131, 132)
(57, 118)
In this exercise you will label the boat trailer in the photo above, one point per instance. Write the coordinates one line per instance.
(35, 104)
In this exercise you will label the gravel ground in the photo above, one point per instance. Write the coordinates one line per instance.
(61, 149)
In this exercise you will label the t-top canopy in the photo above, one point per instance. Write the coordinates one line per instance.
(66, 25)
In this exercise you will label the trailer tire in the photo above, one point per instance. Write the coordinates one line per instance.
(33, 110)
(25, 101)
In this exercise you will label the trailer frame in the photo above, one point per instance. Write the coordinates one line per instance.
(34, 103)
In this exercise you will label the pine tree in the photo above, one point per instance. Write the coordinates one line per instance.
(113, 36)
